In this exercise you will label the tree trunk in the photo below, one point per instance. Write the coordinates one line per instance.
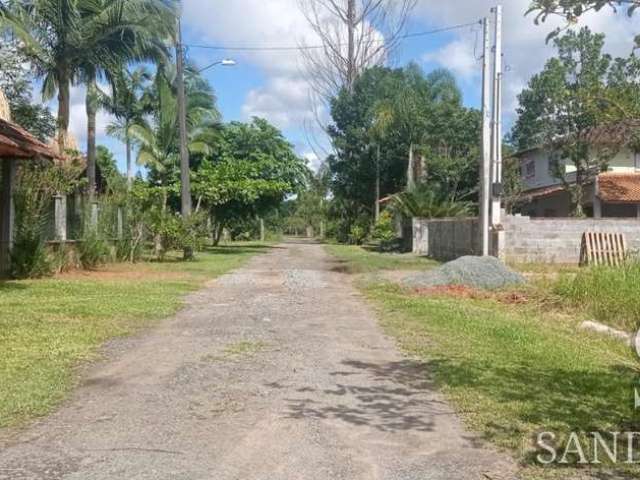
(64, 105)
(129, 159)
(351, 53)
(91, 106)
(411, 181)
(217, 234)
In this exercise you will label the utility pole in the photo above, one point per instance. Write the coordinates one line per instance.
(185, 192)
(496, 151)
(485, 165)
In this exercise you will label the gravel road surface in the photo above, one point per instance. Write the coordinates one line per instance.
(277, 371)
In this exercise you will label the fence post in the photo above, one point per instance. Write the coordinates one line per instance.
(95, 211)
(7, 214)
(60, 217)
(262, 232)
(120, 224)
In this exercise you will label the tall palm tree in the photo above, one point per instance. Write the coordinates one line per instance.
(126, 105)
(158, 139)
(118, 32)
(69, 40)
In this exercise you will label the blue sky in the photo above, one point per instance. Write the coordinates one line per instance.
(273, 84)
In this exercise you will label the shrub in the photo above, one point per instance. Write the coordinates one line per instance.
(93, 250)
(609, 294)
(29, 258)
(384, 232)
(357, 234)
(426, 201)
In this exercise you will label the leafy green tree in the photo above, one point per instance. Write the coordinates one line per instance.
(405, 114)
(15, 82)
(251, 171)
(564, 105)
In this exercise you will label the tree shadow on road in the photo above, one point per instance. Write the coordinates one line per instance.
(389, 397)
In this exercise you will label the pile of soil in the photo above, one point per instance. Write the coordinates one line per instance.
(486, 273)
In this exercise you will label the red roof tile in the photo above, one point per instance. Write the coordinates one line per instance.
(17, 142)
(619, 187)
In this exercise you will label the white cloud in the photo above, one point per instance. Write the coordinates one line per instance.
(78, 119)
(525, 47)
(285, 101)
(457, 57)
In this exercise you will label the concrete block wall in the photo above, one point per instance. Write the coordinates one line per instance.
(526, 240)
(446, 239)
(557, 240)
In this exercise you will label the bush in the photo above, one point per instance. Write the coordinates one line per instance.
(29, 258)
(93, 251)
(357, 235)
(384, 232)
(609, 294)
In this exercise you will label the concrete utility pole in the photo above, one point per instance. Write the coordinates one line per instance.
(485, 166)
(496, 151)
(185, 193)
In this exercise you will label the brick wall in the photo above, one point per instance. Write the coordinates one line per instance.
(557, 240)
(446, 239)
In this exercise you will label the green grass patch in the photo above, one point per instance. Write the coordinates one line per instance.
(355, 259)
(609, 294)
(514, 373)
(244, 348)
(48, 326)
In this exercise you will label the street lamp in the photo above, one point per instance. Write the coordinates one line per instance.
(227, 62)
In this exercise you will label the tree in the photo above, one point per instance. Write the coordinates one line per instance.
(251, 171)
(563, 106)
(158, 139)
(15, 82)
(117, 32)
(404, 112)
(572, 10)
(371, 29)
(127, 107)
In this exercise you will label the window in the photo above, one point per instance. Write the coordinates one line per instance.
(530, 169)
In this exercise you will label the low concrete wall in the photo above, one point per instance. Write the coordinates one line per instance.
(557, 240)
(525, 240)
(447, 238)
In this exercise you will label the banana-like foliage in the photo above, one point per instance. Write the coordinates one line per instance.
(425, 201)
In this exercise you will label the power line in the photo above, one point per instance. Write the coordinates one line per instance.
(318, 47)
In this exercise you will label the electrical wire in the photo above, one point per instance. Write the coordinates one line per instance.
(318, 47)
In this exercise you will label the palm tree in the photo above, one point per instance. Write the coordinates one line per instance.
(118, 32)
(128, 109)
(69, 40)
(158, 140)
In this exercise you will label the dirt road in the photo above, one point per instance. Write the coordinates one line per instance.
(278, 371)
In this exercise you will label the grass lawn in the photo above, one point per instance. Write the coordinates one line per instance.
(367, 260)
(47, 327)
(512, 370)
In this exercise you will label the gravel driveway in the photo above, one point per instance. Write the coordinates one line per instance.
(275, 372)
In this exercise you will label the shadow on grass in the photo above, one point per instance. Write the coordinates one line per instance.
(9, 285)
(535, 399)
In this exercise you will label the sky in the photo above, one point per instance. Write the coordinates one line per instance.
(273, 85)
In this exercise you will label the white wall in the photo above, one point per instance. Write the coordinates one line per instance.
(625, 161)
